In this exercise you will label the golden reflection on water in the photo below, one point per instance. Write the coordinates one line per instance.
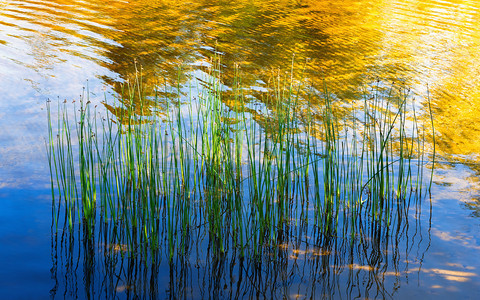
(349, 44)
(447, 274)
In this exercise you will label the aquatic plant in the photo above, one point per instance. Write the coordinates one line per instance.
(157, 172)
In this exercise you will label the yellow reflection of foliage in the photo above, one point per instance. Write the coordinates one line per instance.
(122, 288)
(439, 41)
(313, 252)
(119, 248)
(343, 43)
(372, 269)
(451, 275)
(455, 265)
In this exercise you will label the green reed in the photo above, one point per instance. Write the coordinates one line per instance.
(204, 163)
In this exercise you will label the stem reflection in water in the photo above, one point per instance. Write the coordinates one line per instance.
(298, 202)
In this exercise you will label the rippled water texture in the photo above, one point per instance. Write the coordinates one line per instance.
(53, 49)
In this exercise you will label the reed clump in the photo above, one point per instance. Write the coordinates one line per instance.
(161, 172)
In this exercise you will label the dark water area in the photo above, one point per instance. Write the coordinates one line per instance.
(62, 49)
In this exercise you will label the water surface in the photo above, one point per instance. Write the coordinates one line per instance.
(53, 49)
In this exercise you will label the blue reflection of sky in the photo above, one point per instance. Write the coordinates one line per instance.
(24, 244)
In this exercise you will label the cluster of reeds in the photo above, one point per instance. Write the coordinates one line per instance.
(318, 269)
(161, 171)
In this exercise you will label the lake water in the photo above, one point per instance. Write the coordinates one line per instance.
(53, 49)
